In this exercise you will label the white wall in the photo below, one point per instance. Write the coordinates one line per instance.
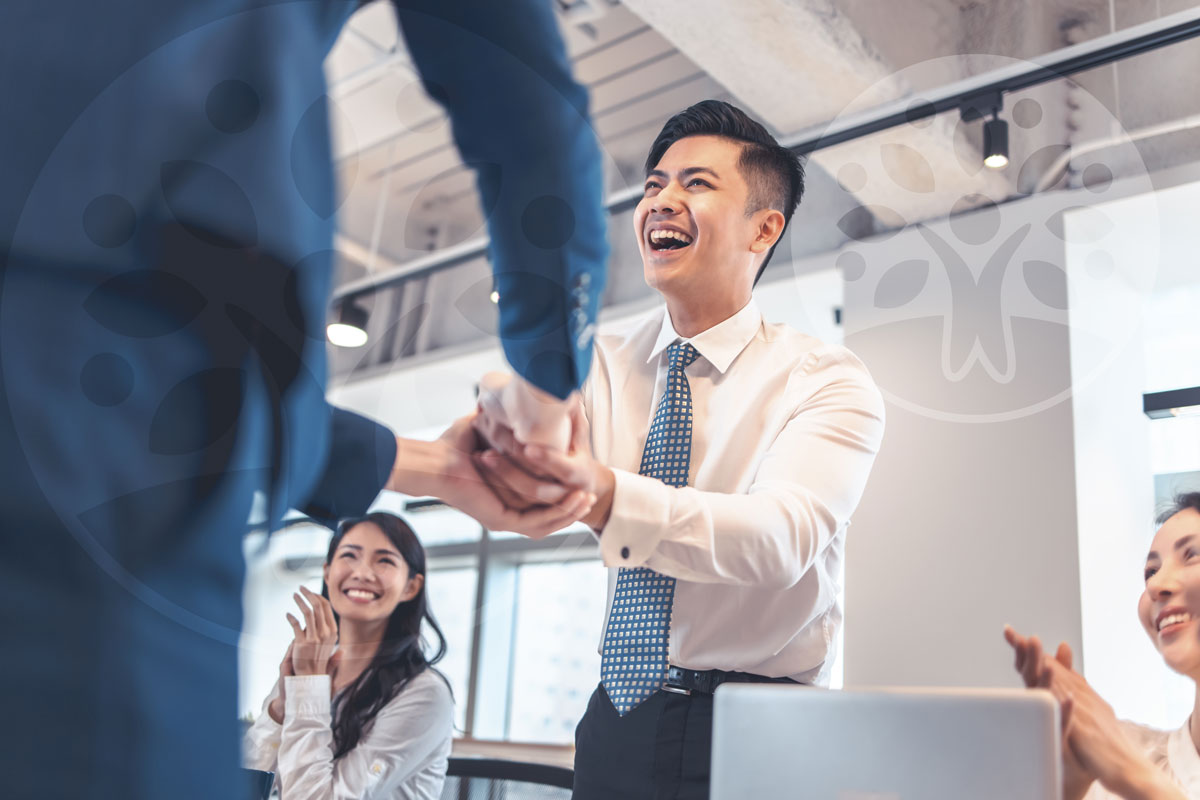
(1114, 488)
(1019, 489)
(1127, 342)
(969, 518)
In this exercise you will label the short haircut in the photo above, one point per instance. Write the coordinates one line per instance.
(1182, 502)
(774, 174)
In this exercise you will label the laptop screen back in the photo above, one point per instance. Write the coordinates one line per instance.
(787, 741)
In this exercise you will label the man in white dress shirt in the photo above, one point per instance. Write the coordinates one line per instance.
(729, 454)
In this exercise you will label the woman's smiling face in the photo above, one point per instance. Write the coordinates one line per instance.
(367, 577)
(1169, 608)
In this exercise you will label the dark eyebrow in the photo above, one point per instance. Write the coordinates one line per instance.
(1180, 543)
(686, 173)
(358, 547)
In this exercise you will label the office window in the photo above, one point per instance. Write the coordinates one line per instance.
(451, 596)
(560, 613)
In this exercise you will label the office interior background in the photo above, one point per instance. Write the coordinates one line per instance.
(1015, 319)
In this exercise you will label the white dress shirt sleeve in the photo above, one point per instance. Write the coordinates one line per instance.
(802, 494)
(405, 733)
(260, 746)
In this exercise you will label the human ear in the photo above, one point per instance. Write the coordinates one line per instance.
(412, 588)
(769, 229)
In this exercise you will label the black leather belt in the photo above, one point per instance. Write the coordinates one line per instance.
(686, 681)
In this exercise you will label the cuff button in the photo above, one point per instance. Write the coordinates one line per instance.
(624, 552)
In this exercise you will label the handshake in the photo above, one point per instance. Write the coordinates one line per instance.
(521, 462)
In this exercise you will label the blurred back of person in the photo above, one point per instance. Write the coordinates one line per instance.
(166, 217)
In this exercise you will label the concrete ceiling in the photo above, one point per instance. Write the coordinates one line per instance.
(794, 64)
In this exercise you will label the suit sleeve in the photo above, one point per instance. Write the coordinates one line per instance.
(520, 121)
(361, 456)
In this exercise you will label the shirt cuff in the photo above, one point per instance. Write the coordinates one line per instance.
(641, 508)
(307, 695)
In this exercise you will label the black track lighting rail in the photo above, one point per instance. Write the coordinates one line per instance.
(975, 97)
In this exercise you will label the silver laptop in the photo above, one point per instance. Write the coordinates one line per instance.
(772, 741)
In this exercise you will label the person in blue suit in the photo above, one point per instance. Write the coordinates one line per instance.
(167, 207)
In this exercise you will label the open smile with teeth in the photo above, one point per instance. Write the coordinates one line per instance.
(360, 594)
(1177, 618)
(668, 240)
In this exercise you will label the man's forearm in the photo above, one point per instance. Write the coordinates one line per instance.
(416, 467)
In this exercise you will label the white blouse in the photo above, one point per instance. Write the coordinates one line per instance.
(1173, 752)
(402, 755)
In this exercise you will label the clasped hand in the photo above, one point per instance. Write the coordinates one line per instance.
(528, 477)
(481, 468)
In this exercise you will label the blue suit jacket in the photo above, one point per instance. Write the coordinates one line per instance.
(166, 214)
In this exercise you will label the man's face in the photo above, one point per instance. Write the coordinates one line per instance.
(691, 224)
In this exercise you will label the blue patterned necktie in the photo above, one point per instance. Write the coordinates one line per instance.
(634, 663)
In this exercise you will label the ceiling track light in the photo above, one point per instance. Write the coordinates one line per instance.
(995, 130)
(350, 329)
(995, 143)
(1175, 403)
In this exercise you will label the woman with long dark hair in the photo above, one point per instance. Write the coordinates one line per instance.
(358, 711)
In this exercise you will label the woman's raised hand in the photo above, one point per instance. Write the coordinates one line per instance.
(312, 649)
(1095, 738)
(1032, 665)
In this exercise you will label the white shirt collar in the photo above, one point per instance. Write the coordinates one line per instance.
(721, 343)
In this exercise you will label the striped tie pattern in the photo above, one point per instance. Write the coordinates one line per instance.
(634, 661)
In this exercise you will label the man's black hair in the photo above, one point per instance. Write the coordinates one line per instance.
(774, 174)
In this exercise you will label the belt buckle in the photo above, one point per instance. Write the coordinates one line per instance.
(675, 674)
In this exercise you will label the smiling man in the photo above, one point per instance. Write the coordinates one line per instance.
(729, 454)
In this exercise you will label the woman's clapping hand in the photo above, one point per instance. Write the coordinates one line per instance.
(313, 648)
(1094, 745)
